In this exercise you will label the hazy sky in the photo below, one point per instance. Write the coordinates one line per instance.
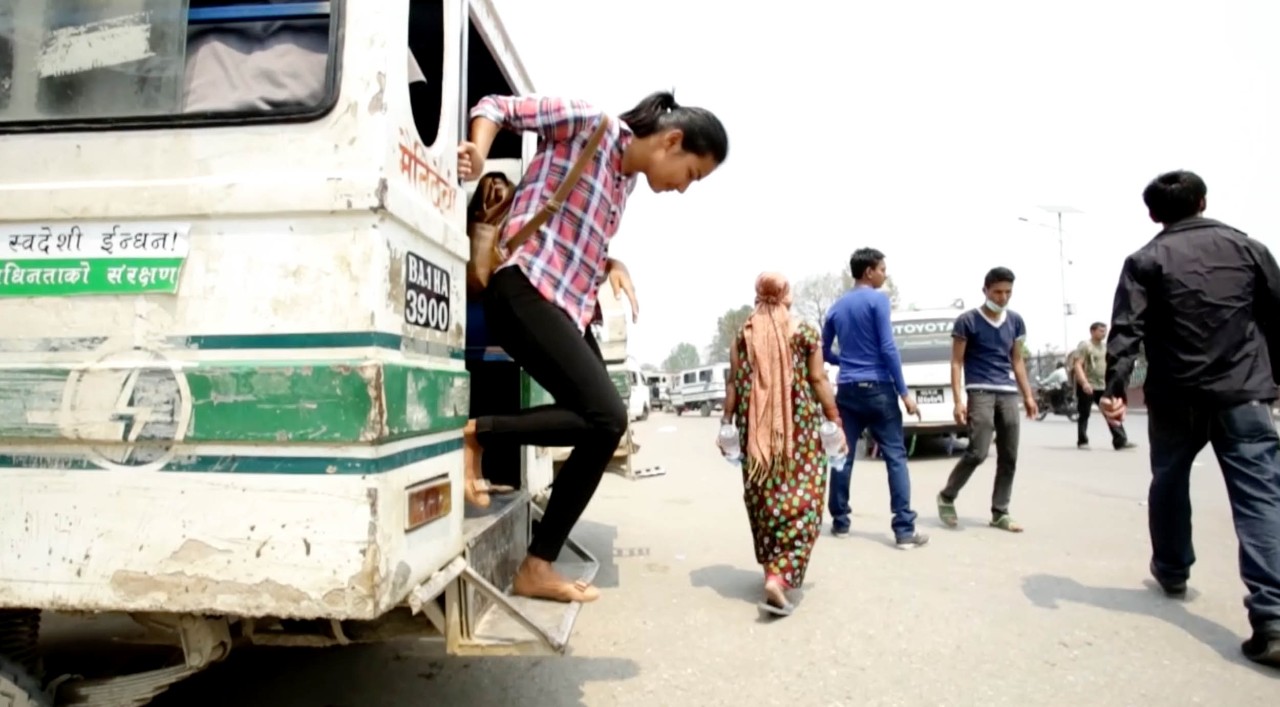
(924, 129)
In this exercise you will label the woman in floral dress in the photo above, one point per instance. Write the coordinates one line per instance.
(779, 396)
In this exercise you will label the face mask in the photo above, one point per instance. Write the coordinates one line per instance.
(994, 307)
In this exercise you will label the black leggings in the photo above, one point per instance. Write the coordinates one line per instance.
(588, 414)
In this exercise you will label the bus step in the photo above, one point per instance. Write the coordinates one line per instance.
(514, 625)
(495, 622)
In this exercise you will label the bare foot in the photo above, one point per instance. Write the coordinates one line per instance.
(475, 490)
(775, 593)
(538, 579)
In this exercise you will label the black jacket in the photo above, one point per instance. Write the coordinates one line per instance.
(1203, 299)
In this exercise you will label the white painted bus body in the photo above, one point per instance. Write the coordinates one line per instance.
(299, 300)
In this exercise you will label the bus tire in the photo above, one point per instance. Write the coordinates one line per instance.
(644, 414)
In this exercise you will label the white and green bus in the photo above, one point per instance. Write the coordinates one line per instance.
(237, 353)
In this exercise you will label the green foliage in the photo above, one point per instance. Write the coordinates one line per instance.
(727, 328)
(683, 355)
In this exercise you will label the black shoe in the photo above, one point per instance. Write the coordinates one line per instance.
(1173, 590)
(1082, 446)
(839, 532)
(1263, 648)
(1126, 445)
(912, 541)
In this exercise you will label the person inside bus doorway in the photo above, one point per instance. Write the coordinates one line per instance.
(986, 354)
(1089, 369)
(540, 302)
(868, 388)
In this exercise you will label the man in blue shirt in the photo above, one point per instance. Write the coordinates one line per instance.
(868, 390)
(986, 350)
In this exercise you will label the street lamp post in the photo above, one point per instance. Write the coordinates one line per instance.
(1062, 271)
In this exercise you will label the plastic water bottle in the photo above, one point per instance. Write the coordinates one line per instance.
(831, 444)
(730, 443)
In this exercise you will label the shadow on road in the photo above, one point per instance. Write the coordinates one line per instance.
(391, 675)
(598, 539)
(1045, 591)
(729, 582)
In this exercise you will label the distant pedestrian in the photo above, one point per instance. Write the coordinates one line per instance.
(1089, 370)
(1203, 300)
(868, 389)
(778, 395)
(986, 354)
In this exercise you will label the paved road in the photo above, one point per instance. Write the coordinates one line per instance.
(1060, 615)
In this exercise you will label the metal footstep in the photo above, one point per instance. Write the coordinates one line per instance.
(648, 472)
(492, 620)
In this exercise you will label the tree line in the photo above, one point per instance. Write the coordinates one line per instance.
(811, 298)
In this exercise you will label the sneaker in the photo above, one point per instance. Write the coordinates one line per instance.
(1084, 446)
(1173, 590)
(1263, 648)
(840, 532)
(1126, 445)
(910, 542)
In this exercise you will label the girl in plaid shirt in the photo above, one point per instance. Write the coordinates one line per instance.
(540, 303)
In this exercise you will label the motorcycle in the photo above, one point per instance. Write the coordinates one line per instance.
(1061, 403)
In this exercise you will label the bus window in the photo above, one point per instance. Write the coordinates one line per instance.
(426, 68)
(123, 62)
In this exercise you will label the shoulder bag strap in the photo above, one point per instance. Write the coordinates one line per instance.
(557, 199)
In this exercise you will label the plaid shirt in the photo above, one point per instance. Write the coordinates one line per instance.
(566, 259)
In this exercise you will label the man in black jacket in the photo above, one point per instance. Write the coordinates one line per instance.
(1204, 300)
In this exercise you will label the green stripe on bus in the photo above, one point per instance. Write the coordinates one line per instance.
(255, 464)
(532, 394)
(226, 342)
(351, 401)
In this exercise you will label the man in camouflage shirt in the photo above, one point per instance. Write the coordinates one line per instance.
(1089, 369)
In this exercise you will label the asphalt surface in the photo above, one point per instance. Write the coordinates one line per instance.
(1063, 614)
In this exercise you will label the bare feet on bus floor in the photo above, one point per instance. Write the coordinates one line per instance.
(538, 579)
(475, 490)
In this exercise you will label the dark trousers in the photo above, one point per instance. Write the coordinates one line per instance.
(1245, 443)
(588, 414)
(1084, 405)
(990, 415)
(874, 407)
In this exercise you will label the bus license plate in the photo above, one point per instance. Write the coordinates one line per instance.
(929, 396)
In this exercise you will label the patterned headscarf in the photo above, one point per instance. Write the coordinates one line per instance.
(768, 338)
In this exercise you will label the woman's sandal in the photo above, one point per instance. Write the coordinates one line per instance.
(775, 602)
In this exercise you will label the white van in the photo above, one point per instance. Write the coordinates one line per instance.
(630, 381)
(659, 385)
(701, 389)
(923, 338)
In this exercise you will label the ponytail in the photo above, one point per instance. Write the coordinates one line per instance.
(644, 119)
(704, 135)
